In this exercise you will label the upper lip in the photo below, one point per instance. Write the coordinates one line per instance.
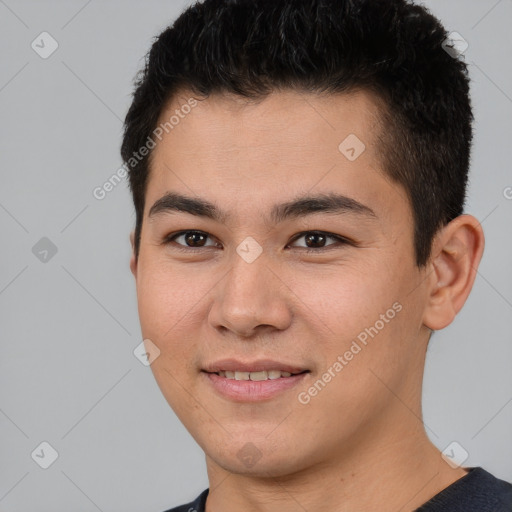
(251, 366)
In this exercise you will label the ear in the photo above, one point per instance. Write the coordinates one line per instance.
(456, 254)
(133, 259)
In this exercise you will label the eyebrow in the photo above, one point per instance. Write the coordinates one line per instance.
(322, 203)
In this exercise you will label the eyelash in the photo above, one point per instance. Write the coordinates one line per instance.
(341, 240)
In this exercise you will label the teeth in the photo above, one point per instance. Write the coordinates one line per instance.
(256, 376)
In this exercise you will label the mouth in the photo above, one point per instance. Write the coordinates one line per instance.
(230, 368)
(256, 376)
(252, 382)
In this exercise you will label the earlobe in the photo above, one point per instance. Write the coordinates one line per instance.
(456, 254)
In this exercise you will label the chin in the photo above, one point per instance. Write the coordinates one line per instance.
(274, 468)
(262, 458)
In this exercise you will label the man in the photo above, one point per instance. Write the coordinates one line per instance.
(298, 170)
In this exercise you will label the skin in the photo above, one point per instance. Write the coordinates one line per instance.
(360, 443)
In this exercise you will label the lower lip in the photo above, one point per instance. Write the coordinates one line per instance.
(252, 390)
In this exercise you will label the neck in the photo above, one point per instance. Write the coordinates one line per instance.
(395, 472)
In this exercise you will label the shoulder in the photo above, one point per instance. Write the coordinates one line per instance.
(478, 491)
(198, 505)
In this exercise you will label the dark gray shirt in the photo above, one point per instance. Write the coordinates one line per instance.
(478, 491)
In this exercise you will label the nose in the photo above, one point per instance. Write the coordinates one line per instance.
(251, 298)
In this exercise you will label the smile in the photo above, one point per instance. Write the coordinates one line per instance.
(255, 376)
(239, 386)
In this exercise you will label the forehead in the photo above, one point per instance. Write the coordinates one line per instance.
(250, 153)
(281, 119)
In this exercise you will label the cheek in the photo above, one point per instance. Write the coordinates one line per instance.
(169, 300)
(352, 385)
(358, 323)
(346, 299)
(164, 291)
(168, 306)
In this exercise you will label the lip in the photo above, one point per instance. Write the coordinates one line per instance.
(251, 391)
(254, 366)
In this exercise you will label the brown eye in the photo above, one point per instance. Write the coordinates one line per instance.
(317, 240)
(190, 239)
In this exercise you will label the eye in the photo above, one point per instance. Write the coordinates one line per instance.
(316, 240)
(191, 239)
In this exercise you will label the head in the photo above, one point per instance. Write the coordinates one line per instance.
(254, 122)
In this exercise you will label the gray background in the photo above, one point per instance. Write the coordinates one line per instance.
(69, 325)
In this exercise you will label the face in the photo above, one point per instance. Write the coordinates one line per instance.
(273, 242)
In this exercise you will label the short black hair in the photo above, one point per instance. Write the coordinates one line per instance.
(392, 48)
